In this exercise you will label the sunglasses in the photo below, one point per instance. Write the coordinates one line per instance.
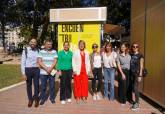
(94, 47)
(135, 46)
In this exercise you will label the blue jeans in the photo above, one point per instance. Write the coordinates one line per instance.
(109, 75)
(44, 79)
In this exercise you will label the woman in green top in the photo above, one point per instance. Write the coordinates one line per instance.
(65, 72)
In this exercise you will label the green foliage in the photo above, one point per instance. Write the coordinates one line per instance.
(9, 74)
(26, 32)
(33, 16)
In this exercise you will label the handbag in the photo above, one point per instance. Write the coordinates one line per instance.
(145, 72)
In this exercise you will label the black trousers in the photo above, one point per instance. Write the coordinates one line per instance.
(123, 86)
(135, 87)
(97, 73)
(130, 89)
(32, 74)
(65, 84)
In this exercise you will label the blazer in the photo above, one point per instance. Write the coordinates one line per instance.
(76, 62)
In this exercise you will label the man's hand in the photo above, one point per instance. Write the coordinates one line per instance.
(24, 77)
(49, 70)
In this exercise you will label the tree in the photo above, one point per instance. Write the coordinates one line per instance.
(118, 12)
(33, 15)
(8, 15)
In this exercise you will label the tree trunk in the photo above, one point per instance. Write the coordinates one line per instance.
(3, 34)
(44, 30)
(35, 26)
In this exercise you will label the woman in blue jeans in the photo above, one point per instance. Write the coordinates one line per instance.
(109, 61)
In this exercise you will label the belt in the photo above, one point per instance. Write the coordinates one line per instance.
(31, 67)
(125, 69)
(110, 67)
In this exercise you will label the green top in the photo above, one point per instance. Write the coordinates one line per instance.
(64, 60)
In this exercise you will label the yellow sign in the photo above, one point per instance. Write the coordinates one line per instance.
(90, 33)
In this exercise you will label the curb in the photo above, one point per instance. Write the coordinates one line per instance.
(12, 86)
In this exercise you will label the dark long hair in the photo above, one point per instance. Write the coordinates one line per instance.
(108, 43)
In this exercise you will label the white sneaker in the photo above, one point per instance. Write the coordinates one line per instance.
(98, 97)
(135, 107)
(94, 97)
(69, 100)
(63, 102)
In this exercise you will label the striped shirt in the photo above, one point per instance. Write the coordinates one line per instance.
(47, 58)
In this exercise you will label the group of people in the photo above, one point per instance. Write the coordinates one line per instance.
(45, 64)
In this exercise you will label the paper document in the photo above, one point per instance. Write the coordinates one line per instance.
(53, 72)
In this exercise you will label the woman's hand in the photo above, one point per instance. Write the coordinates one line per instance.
(59, 73)
(139, 79)
(123, 77)
(74, 73)
(91, 74)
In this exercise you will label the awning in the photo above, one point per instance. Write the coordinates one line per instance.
(113, 29)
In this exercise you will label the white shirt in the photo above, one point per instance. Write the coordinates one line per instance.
(97, 61)
(110, 61)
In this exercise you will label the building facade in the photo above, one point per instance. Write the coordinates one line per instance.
(148, 29)
(12, 37)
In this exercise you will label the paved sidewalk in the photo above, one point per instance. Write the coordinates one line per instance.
(14, 101)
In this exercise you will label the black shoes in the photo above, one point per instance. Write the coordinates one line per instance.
(42, 102)
(30, 103)
(52, 101)
(36, 103)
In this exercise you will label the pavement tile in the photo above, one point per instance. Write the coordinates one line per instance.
(14, 101)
